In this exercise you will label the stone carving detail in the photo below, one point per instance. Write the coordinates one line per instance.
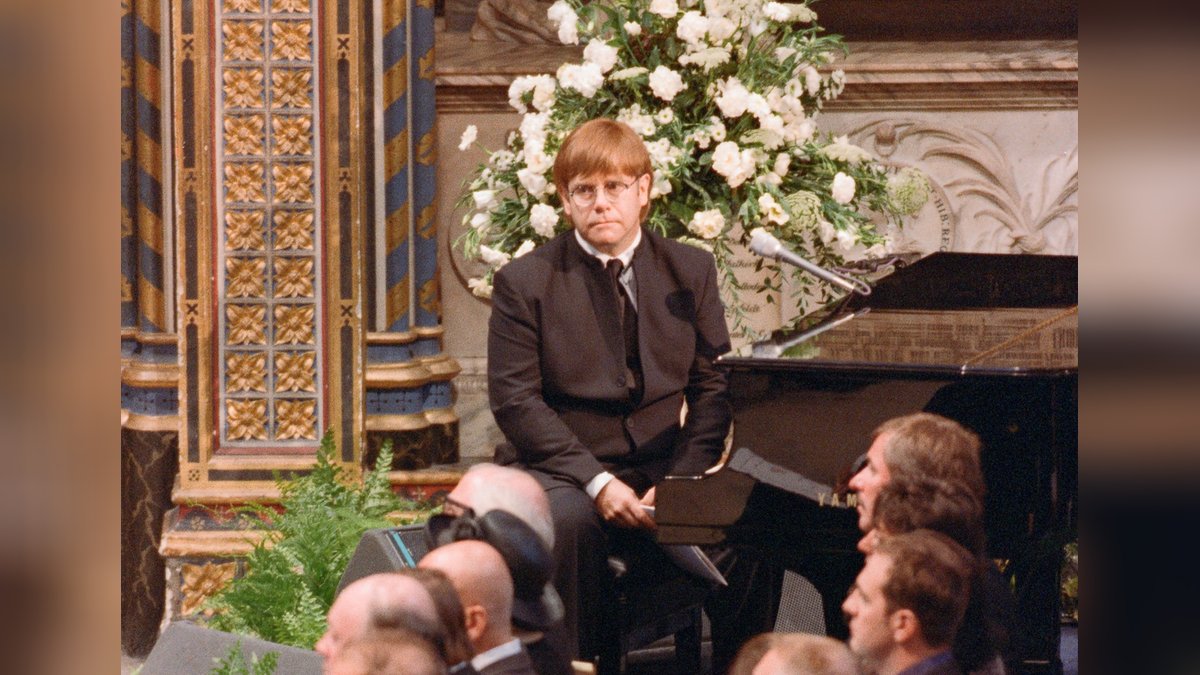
(201, 581)
(270, 255)
(998, 209)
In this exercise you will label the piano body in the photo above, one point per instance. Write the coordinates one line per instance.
(987, 340)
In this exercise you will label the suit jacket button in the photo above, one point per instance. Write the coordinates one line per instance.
(621, 380)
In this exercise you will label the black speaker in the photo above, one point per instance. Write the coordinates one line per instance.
(187, 649)
(385, 550)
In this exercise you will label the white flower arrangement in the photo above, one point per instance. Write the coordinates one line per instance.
(726, 95)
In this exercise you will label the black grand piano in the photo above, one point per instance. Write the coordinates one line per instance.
(987, 340)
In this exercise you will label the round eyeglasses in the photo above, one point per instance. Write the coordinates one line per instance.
(584, 195)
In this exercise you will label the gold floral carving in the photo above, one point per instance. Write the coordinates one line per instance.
(244, 230)
(293, 182)
(246, 324)
(293, 229)
(289, 88)
(243, 40)
(296, 419)
(244, 182)
(294, 324)
(202, 581)
(294, 371)
(246, 372)
(289, 40)
(246, 420)
(245, 277)
(289, 5)
(292, 135)
(293, 277)
(243, 87)
(243, 5)
(244, 134)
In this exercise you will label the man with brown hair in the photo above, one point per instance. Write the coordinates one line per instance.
(907, 604)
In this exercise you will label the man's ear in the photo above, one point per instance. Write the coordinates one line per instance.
(905, 626)
(477, 621)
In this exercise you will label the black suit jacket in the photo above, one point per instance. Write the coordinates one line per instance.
(556, 363)
(517, 664)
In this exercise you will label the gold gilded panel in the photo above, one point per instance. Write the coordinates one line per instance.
(244, 230)
(247, 324)
(282, 6)
(294, 324)
(293, 183)
(200, 582)
(243, 40)
(294, 277)
(290, 40)
(291, 88)
(244, 182)
(244, 134)
(294, 371)
(296, 419)
(244, 277)
(246, 419)
(243, 87)
(292, 135)
(234, 6)
(293, 230)
(246, 372)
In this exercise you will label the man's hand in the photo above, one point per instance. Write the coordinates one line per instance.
(619, 505)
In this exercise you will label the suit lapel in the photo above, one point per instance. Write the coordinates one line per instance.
(603, 302)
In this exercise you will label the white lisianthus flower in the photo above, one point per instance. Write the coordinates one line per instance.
(543, 218)
(480, 288)
(525, 247)
(484, 199)
(706, 58)
(720, 28)
(493, 258)
(665, 116)
(735, 165)
(537, 160)
(716, 129)
(468, 137)
(843, 150)
(563, 17)
(667, 9)
(733, 98)
(776, 11)
(666, 83)
(543, 92)
(532, 181)
(585, 78)
(633, 28)
(771, 210)
(600, 53)
(660, 185)
(812, 80)
(707, 224)
(692, 27)
(627, 73)
(481, 221)
(516, 90)
(842, 188)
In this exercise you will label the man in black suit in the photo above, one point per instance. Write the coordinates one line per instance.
(596, 341)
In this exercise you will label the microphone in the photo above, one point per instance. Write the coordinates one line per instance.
(766, 245)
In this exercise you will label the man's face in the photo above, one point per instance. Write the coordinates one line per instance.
(866, 611)
(610, 224)
(347, 619)
(870, 480)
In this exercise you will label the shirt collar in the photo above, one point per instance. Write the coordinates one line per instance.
(625, 256)
(510, 648)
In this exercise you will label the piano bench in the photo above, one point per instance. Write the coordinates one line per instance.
(647, 610)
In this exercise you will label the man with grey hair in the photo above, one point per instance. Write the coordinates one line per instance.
(381, 602)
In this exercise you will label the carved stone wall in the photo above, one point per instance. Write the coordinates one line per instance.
(994, 125)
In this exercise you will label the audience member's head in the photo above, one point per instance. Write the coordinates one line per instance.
(488, 487)
(387, 601)
(949, 507)
(450, 612)
(481, 578)
(793, 654)
(908, 601)
(918, 446)
(388, 651)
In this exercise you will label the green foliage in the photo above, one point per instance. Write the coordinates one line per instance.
(234, 663)
(292, 575)
(1070, 582)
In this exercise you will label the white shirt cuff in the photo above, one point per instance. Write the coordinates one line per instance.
(597, 484)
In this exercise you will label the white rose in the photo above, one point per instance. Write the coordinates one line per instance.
(543, 218)
(480, 288)
(666, 83)
(516, 90)
(468, 137)
(843, 188)
(533, 128)
(776, 11)
(532, 181)
(720, 28)
(706, 58)
(484, 199)
(561, 15)
(800, 132)
(537, 160)
(734, 164)
(707, 224)
(667, 9)
(525, 247)
(733, 98)
(543, 92)
(692, 27)
(602, 54)
(771, 210)
(585, 78)
(661, 185)
(633, 28)
(492, 257)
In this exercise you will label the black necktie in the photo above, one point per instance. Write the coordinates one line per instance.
(627, 315)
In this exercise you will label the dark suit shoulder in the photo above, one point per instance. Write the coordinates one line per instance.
(685, 254)
(541, 261)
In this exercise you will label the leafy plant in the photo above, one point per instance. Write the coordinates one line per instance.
(234, 663)
(292, 574)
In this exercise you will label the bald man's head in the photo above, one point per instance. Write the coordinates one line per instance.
(380, 601)
(484, 585)
(488, 487)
